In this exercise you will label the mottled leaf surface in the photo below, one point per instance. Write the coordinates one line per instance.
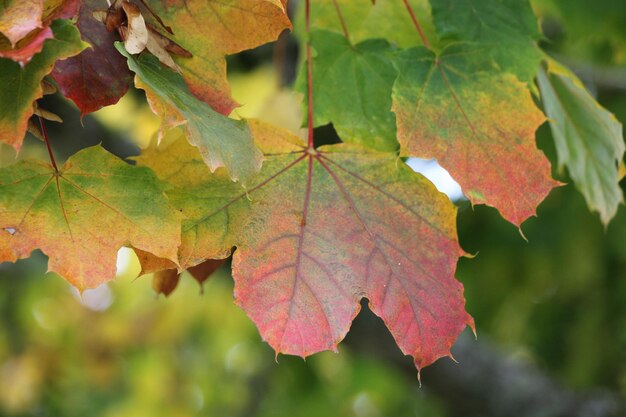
(318, 231)
(223, 142)
(352, 89)
(478, 123)
(98, 76)
(588, 139)
(507, 28)
(211, 29)
(22, 86)
(81, 216)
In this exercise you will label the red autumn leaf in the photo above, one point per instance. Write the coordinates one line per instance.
(318, 231)
(98, 76)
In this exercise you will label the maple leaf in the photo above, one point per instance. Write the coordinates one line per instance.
(81, 215)
(98, 76)
(352, 89)
(478, 122)
(364, 20)
(318, 231)
(211, 29)
(22, 86)
(506, 29)
(589, 139)
(222, 141)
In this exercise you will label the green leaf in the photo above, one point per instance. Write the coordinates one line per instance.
(83, 214)
(352, 89)
(222, 141)
(588, 138)
(508, 28)
(386, 19)
(22, 86)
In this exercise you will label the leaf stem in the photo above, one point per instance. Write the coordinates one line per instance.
(417, 24)
(45, 136)
(309, 65)
(343, 22)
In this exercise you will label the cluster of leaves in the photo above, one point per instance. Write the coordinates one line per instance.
(316, 229)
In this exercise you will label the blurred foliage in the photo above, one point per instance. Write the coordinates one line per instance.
(586, 30)
(121, 351)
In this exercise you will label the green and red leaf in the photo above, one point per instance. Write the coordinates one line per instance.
(478, 122)
(22, 86)
(82, 215)
(318, 231)
(211, 29)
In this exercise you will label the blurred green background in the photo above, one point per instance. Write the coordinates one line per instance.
(555, 304)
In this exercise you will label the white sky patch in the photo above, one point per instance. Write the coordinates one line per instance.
(97, 299)
(438, 176)
(124, 259)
